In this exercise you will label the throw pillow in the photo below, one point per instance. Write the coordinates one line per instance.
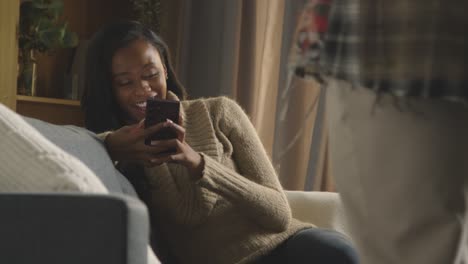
(31, 163)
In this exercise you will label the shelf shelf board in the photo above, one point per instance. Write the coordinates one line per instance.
(45, 100)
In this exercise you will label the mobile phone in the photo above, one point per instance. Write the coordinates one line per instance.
(158, 111)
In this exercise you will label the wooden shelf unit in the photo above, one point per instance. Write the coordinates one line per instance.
(46, 100)
(56, 111)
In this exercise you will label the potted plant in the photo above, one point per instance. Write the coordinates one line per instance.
(40, 30)
(148, 12)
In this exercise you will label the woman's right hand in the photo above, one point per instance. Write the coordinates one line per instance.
(127, 144)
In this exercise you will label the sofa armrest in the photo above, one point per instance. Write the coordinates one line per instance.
(73, 228)
(323, 209)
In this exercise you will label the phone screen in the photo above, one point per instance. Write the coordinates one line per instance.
(158, 111)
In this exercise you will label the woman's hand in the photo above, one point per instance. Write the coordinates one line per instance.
(128, 144)
(184, 154)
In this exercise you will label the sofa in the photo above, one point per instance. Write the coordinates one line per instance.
(108, 227)
(95, 229)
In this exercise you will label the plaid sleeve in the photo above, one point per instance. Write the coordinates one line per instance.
(406, 48)
(340, 55)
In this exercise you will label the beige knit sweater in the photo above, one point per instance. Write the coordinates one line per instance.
(237, 211)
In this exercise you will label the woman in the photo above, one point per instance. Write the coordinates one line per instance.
(217, 199)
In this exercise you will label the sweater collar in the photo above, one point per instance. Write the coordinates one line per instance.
(196, 120)
(172, 96)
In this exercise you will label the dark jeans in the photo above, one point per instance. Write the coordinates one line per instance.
(314, 245)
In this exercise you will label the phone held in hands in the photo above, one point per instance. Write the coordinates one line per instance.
(158, 111)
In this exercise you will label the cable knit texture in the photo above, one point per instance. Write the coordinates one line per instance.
(237, 211)
(31, 163)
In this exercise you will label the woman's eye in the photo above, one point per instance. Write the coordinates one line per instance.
(123, 82)
(151, 75)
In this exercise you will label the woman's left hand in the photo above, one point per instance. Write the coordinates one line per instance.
(184, 154)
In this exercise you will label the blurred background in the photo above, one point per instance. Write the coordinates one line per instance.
(262, 53)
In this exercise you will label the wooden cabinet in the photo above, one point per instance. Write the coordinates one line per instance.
(84, 17)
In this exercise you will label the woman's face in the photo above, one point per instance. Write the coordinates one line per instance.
(137, 74)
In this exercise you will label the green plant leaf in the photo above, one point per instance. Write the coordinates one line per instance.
(46, 24)
(56, 9)
(70, 39)
(50, 38)
(48, 5)
(40, 28)
(62, 30)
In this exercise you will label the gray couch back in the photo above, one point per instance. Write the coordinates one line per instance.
(88, 148)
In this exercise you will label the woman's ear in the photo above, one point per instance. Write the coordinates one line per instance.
(165, 72)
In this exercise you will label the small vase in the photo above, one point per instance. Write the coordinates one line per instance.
(27, 74)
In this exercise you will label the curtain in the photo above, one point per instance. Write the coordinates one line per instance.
(259, 59)
(245, 49)
(231, 48)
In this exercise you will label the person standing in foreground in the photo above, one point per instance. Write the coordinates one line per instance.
(397, 90)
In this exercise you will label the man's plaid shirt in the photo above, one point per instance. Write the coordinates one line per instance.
(404, 47)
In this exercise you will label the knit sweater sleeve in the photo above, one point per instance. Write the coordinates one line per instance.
(188, 203)
(255, 188)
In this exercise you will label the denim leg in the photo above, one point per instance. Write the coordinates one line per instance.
(314, 245)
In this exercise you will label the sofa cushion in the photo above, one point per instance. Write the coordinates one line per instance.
(89, 149)
(31, 163)
(323, 209)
